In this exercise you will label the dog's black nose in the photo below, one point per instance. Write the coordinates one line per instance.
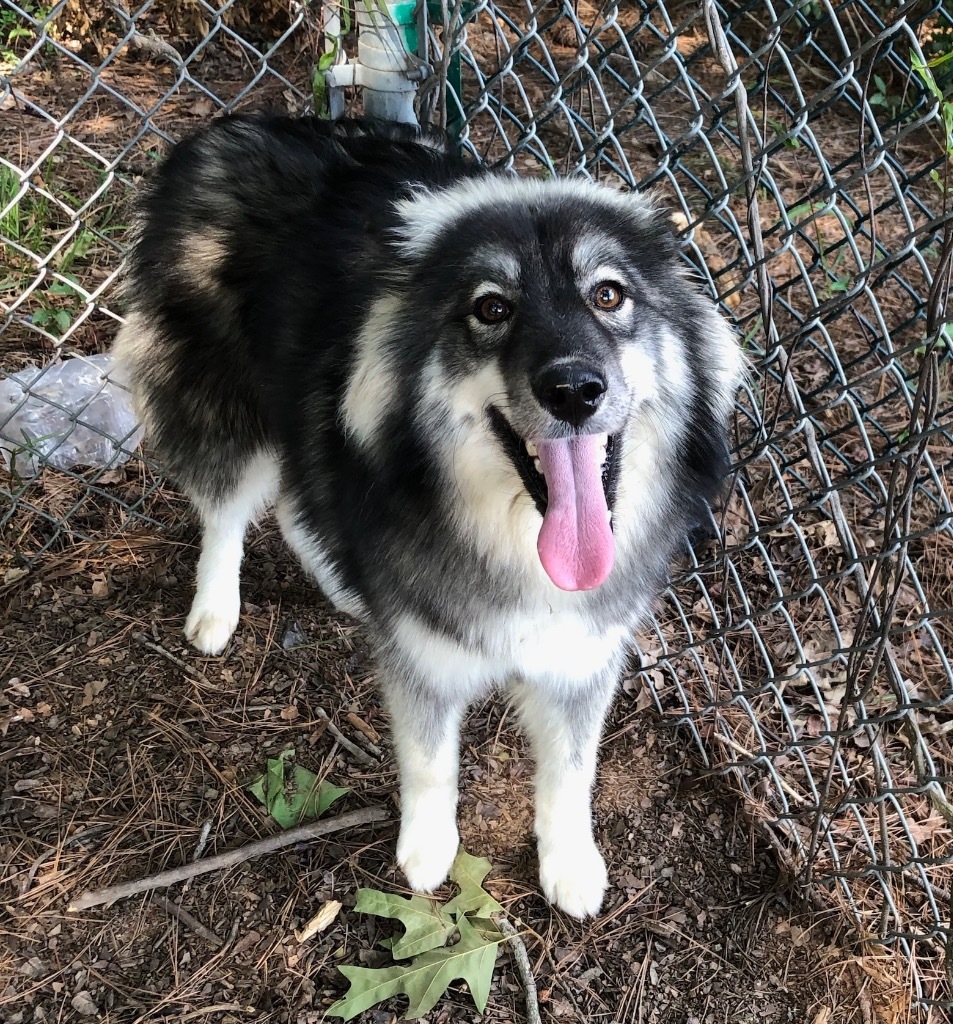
(570, 391)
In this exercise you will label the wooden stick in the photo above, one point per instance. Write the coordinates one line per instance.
(353, 748)
(521, 956)
(181, 914)
(169, 656)
(226, 860)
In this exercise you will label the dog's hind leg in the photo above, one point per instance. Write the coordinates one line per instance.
(564, 722)
(225, 518)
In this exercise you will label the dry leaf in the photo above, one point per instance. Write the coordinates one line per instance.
(920, 830)
(826, 534)
(321, 921)
(83, 1003)
(92, 690)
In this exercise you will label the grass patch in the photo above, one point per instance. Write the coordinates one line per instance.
(33, 224)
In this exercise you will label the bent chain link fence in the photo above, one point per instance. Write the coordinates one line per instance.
(802, 149)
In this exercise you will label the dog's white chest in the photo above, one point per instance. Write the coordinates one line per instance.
(560, 646)
(556, 648)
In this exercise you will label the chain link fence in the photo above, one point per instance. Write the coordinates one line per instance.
(802, 148)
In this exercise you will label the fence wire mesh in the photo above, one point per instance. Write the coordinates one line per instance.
(801, 146)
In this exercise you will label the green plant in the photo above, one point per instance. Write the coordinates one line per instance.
(880, 96)
(26, 220)
(440, 943)
(327, 60)
(14, 33)
(925, 70)
(33, 224)
(793, 142)
(836, 280)
(292, 794)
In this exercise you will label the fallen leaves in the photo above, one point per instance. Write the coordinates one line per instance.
(321, 921)
(292, 794)
(458, 940)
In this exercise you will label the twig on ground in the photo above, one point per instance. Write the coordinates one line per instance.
(226, 860)
(349, 746)
(169, 656)
(180, 914)
(521, 956)
(863, 996)
(371, 736)
(204, 1011)
(739, 749)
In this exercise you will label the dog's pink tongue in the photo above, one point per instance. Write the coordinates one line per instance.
(575, 543)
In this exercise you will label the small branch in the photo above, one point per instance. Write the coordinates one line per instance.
(204, 1011)
(181, 914)
(371, 736)
(521, 956)
(348, 745)
(226, 860)
(184, 665)
(739, 749)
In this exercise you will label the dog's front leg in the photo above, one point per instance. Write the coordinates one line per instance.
(563, 721)
(425, 726)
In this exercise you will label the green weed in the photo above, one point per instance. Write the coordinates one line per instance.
(882, 97)
(16, 34)
(925, 70)
(32, 225)
(837, 278)
(780, 131)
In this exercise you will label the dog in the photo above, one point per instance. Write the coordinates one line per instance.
(487, 411)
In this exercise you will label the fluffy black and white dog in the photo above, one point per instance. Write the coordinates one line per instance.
(486, 410)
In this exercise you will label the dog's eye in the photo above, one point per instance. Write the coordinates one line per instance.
(607, 295)
(491, 309)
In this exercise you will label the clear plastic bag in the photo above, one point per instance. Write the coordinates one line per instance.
(66, 415)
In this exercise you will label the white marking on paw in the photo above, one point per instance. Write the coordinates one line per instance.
(427, 846)
(574, 877)
(209, 629)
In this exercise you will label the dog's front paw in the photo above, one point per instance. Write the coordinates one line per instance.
(210, 628)
(426, 849)
(573, 876)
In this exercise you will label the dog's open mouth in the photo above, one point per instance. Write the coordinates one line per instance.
(573, 484)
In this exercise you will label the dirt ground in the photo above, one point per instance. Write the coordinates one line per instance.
(114, 756)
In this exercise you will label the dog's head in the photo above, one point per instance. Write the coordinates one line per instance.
(557, 321)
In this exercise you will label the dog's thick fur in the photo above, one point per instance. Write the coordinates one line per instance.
(350, 324)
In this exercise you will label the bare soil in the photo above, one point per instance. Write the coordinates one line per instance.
(114, 757)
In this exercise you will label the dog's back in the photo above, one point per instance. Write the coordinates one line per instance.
(236, 224)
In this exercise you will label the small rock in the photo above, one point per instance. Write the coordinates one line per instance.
(294, 636)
